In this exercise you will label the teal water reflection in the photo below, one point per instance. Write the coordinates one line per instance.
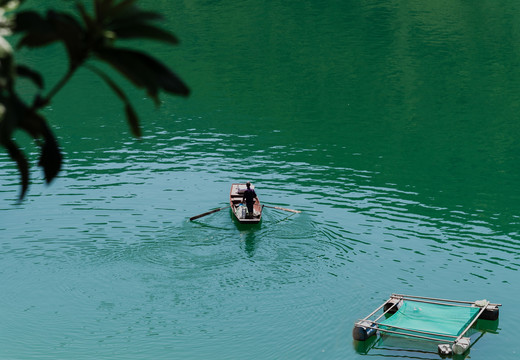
(391, 126)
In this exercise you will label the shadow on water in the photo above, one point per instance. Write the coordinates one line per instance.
(381, 346)
(249, 241)
(397, 346)
(247, 234)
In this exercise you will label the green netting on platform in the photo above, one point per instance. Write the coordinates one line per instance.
(433, 318)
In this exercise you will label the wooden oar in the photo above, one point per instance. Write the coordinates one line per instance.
(207, 213)
(281, 208)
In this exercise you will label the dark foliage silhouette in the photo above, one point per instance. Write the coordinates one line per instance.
(87, 38)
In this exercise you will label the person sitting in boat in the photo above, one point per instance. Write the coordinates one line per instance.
(249, 199)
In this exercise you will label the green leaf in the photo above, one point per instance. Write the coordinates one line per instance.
(144, 31)
(113, 17)
(131, 68)
(133, 16)
(131, 116)
(39, 31)
(144, 71)
(19, 116)
(71, 33)
(29, 20)
(107, 8)
(56, 26)
(27, 72)
(87, 19)
(25, 118)
(124, 5)
(37, 39)
(35, 125)
(101, 6)
(50, 157)
(133, 120)
(7, 123)
(127, 11)
(21, 162)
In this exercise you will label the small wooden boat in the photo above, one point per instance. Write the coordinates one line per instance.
(239, 209)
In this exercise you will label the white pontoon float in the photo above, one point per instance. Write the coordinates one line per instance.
(440, 320)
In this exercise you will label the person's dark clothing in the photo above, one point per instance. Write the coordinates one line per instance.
(249, 197)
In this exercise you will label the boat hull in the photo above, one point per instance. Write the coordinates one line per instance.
(239, 209)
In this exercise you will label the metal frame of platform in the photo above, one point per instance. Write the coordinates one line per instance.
(370, 325)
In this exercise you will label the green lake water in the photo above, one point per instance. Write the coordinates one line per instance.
(392, 125)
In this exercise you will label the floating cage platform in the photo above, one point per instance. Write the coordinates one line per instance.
(440, 320)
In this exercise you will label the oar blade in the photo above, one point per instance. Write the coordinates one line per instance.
(207, 213)
(284, 209)
(291, 210)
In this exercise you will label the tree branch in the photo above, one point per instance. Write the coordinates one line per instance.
(41, 102)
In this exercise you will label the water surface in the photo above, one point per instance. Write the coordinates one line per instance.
(392, 126)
